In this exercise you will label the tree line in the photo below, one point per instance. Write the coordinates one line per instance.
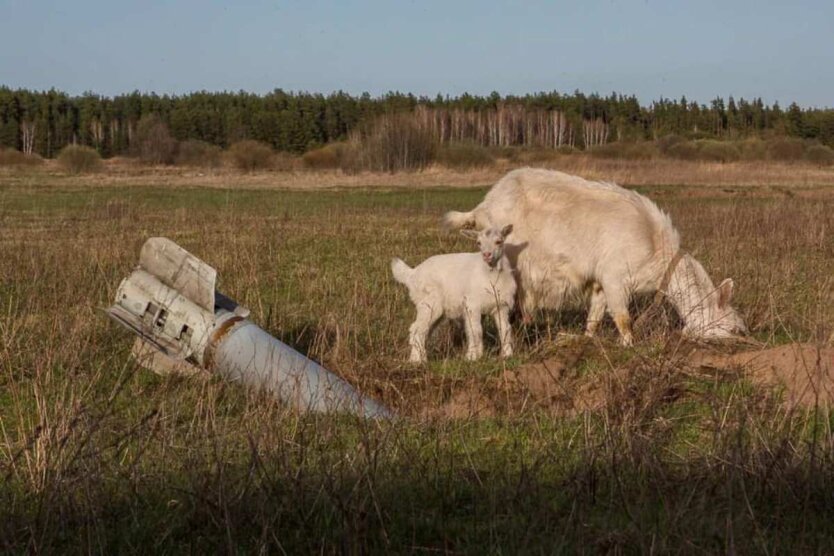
(43, 122)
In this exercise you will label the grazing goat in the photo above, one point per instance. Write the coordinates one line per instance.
(462, 285)
(573, 235)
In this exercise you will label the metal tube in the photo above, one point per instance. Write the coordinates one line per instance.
(246, 353)
(170, 303)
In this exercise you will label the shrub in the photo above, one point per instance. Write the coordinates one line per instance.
(284, 162)
(566, 149)
(250, 156)
(643, 150)
(79, 159)
(13, 157)
(394, 142)
(753, 149)
(199, 154)
(717, 151)
(509, 154)
(464, 156)
(786, 148)
(540, 155)
(666, 143)
(820, 154)
(153, 143)
(683, 150)
(329, 157)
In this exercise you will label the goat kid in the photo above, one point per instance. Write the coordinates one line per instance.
(462, 286)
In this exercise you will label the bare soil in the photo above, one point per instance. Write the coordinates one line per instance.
(802, 375)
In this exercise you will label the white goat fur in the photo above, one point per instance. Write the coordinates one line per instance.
(462, 286)
(575, 235)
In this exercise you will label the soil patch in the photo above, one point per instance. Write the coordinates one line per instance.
(802, 373)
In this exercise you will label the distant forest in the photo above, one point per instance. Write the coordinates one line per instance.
(44, 122)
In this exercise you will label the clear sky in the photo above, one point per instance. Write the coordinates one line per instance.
(777, 50)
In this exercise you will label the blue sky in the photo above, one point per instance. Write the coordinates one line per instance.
(781, 52)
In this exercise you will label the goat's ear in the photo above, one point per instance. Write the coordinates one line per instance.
(471, 234)
(506, 230)
(725, 293)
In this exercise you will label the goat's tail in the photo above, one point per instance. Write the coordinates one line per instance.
(401, 271)
(455, 220)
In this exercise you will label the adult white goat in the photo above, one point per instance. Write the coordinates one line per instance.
(572, 234)
(462, 285)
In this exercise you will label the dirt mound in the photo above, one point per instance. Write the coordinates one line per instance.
(802, 373)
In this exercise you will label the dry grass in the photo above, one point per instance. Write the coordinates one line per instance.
(293, 175)
(99, 456)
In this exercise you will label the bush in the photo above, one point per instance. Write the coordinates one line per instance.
(284, 162)
(79, 159)
(717, 151)
(540, 155)
(683, 150)
(15, 158)
(153, 143)
(464, 156)
(394, 142)
(250, 156)
(753, 149)
(667, 143)
(510, 154)
(329, 157)
(199, 154)
(786, 148)
(628, 151)
(820, 155)
(566, 149)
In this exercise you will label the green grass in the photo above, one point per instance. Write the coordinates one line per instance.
(97, 455)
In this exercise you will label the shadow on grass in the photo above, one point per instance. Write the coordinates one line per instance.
(394, 488)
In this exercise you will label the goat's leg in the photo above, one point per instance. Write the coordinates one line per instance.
(505, 332)
(596, 311)
(427, 315)
(617, 297)
(474, 333)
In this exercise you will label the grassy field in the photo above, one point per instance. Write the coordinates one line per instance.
(97, 455)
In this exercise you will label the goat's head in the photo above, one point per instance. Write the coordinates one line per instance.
(716, 319)
(725, 322)
(490, 242)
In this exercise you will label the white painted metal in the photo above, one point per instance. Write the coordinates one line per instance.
(171, 304)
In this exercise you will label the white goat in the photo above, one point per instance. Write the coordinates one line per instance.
(462, 285)
(574, 235)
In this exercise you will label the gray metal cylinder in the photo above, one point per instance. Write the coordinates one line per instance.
(242, 351)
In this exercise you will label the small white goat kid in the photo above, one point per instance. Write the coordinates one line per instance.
(462, 285)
